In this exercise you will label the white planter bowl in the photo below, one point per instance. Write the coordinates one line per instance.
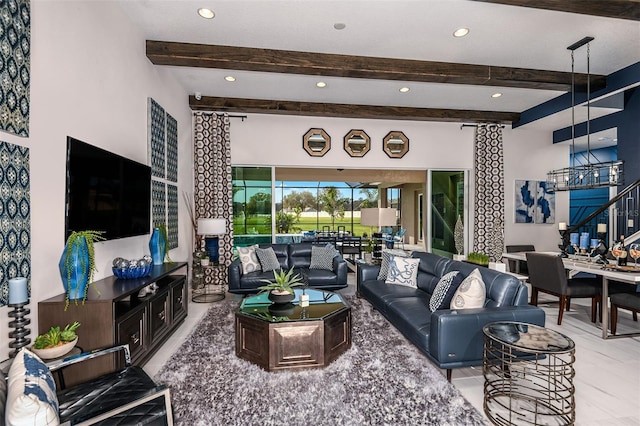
(58, 351)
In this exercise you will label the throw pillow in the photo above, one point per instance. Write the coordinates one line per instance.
(387, 256)
(31, 397)
(268, 259)
(444, 291)
(336, 253)
(249, 259)
(471, 293)
(3, 395)
(403, 271)
(322, 257)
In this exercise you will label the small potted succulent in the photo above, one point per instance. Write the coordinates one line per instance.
(56, 342)
(281, 289)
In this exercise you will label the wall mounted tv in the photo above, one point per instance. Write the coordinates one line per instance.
(106, 192)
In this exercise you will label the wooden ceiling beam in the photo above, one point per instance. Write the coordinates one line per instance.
(323, 64)
(620, 9)
(262, 106)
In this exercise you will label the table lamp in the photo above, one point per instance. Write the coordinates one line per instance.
(211, 229)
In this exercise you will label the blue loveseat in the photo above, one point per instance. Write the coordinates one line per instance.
(449, 338)
(297, 256)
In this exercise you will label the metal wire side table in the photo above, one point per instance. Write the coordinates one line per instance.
(528, 375)
(207, 293)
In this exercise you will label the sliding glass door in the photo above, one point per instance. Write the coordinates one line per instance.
(448, 198)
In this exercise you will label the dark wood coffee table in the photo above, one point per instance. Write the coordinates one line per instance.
(293, 336)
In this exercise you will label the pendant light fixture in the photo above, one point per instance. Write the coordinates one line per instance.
(589, 175)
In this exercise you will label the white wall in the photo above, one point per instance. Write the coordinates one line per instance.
(529, 154)
(90, 79)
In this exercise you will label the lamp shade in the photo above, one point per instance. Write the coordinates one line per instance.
(378, 216)
(207, 226)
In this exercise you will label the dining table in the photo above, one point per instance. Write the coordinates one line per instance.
(608, 272)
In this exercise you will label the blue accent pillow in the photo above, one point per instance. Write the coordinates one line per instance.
(444, 291)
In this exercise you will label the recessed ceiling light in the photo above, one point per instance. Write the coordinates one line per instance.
(404, 89)
(206, 13)
(321, 84)
(461, 32)
(230, 78)
(496, 95)
(339, 26)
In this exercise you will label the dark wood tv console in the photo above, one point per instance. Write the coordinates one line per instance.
(115, 314)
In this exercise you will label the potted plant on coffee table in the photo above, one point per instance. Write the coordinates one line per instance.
(281, 289)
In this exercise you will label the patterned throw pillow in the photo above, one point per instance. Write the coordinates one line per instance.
(387, 257)
(268, 259)
(403, 271)
(471, 293)
(249, 259)
(322, 257)
(444, 291)
(336, 253)
(31, 399)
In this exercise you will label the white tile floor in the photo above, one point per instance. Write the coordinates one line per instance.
(607, 377)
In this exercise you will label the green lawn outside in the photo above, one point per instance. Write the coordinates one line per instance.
(262, 225)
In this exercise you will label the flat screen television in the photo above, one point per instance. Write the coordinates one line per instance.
(106, 192)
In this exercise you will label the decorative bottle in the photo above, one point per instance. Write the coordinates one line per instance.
(157, 247)
(622, 259)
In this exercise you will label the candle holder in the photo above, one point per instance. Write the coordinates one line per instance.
(19, 325)
(602, 249)
(564, 243)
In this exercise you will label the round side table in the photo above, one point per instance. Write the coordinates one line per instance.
(208, 293)
(528, 375)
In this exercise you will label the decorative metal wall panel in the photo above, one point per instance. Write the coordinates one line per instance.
(15, 216)
(15, 66)
(213, 188)
(157, 138)
(158, 203)
(172, 149)
(488, 236)
(163, 155)
(172, 216)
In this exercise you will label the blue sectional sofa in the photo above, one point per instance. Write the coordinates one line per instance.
(449, 338)
(297, 256)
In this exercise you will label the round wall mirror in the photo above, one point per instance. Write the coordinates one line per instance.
(395, 144)
(357, 143)
(316, 142)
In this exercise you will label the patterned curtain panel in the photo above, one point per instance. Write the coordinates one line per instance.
(212, 193)
(488, 236)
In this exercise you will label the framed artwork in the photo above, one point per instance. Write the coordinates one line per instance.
(545, 211)
(534, 202)
(525, 200)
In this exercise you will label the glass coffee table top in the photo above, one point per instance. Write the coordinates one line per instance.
(528, 337)
(321, 305)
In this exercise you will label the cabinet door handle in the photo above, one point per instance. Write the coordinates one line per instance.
(135, 338)
(179, 300)
(161, 315)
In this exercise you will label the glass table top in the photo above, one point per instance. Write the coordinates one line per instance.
(528, 337)
(321, 305)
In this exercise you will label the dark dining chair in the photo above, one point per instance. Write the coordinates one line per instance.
(629, 301)
(518, 265)
(548, 275)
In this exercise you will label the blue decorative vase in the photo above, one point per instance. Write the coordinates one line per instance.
(75, 283)
(213, 249)
(157, 246)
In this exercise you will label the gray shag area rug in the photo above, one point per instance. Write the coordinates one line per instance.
(382, 380)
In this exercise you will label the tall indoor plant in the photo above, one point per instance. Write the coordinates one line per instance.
(77, 264)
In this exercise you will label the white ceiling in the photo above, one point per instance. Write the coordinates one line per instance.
(411, 29)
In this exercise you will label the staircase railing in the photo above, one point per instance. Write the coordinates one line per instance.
(625, 218)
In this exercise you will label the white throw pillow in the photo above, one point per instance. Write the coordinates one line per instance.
(403, 271)
(387, 257)
(471, 293)
(31, 398)
(249, 259)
